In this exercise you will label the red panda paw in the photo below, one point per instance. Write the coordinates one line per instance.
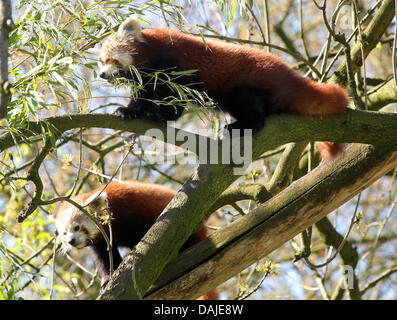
(125, 113)
(143, 111)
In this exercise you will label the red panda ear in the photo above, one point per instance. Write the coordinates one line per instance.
(129, 28)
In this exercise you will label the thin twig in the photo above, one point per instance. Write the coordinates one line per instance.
(354, 3)
(352, 223)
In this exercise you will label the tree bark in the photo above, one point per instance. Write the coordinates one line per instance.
(5, 26)
(350, 126)
(252, 237)
(371, 35)
(191, 205)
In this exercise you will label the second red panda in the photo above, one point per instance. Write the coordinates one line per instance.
(246, 82)
(134, 205)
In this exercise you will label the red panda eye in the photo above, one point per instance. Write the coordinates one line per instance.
(76, 228)
(110, 61)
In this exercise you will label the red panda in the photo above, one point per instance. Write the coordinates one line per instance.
(134, 207)
(246, 82)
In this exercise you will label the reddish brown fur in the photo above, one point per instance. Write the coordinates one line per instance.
(329, 150)
(223, 66)
(212, 295)
(149, 198)
(132, 203)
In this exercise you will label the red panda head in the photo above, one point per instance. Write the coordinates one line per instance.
(117, 51)
(75, 229)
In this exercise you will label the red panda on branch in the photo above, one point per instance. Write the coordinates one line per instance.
(248, 83)
(134, 207)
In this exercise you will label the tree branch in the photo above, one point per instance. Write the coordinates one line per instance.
(192, 203)
(252, 237)
(348, 253)
(5, 27)
(350, 126)
(382, 95)
(387, 273)
(371, 35)
(33, 175)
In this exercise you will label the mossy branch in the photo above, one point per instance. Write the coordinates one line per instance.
(382, 95)
(371, 35)
(193, 202)
(252, 237)
(350, 126)
(6, 25)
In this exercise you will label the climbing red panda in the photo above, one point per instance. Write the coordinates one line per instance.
(134, 207)
(246, 82)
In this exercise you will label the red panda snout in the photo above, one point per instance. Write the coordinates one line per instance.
(77, 237)
(111, 69)
(114, 64)
(75, 230)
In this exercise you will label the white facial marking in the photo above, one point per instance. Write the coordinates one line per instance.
(121, 61)
(124, 59)
(75, 229)
(108, 70)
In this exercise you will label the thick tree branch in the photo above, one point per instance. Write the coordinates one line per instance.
(371, 35)
(192, 203)
(281, 178)
(350, 126)
(283, 175)
(252, 237)
(384, 95)
(64, 123)
(243, 191)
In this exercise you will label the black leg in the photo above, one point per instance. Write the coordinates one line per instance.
(249, 106)
(101, 258)
(149, 104)
(148, 110)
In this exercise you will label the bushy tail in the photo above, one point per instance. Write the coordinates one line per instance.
(334, 101)
(329, 150)
(332, 98)
(312, 98)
